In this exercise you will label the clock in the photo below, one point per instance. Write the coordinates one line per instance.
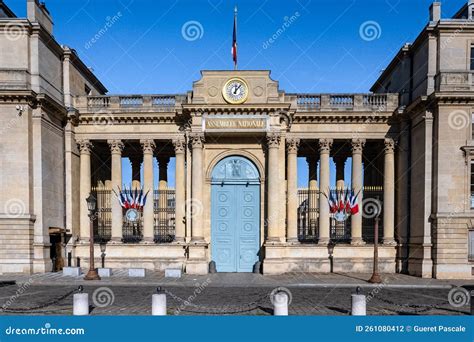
(132, 215)
(235, 91)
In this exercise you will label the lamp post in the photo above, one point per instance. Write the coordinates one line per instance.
(375, 279)
(91, 205)
(331, 245)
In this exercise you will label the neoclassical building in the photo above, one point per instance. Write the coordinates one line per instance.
(220, 164)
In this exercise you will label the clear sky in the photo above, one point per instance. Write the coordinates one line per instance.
(151, 46)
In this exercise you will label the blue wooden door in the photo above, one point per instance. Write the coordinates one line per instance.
(235, 215)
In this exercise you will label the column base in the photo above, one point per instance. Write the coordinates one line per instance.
(357, 241)
(389, 242)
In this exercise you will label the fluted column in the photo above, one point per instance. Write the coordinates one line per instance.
(148, 147)
(197, 141)
(324, 150)
(180, 180)
(356, 220)
(116, 148)
(292, 190)
(273, 183)
(340, 162)
(85, 147)
(389, 193)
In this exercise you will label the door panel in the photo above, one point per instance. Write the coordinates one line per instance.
(235, 222)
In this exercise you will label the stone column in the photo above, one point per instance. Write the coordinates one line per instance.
(313, 196)
(197, 179)
(180, 180)
(389, 193)
(85, 147)
(340, 161)
(324, 224)
(292, 190)
(162, 190)
(356, 220)
(148, 147)
(116, 148)
(136, 162)
(273, 187)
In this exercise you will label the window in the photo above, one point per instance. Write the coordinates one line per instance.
(471, 245)
(472, 57)
(472, 185)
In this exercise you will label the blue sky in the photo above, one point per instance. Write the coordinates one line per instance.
(323, 47)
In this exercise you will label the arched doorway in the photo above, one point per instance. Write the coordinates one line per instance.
(235, 215)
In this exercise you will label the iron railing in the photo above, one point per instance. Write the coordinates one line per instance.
(308, 216)
(103, 220)
(132, 232)
(164, 215)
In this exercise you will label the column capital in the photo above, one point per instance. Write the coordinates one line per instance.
(148, 146)
(116, 146)
(325, 145)
(389, 145)
(196, 140)
(84, 146)
(179, 145)
(273, 140)
(357, 146)
(292, 145)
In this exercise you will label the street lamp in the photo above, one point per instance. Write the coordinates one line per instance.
(91, 206)
(103, 245)
(331, 246)
(375, 279)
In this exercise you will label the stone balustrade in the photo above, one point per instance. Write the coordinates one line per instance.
(351, 102)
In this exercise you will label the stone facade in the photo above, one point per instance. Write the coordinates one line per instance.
(409, 146)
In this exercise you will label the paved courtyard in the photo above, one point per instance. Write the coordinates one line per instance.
(228, 294)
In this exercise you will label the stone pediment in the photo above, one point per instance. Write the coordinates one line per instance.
(261, 88)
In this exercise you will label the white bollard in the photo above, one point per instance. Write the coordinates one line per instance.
(359, 305)
(80, 304)
(280, 304)
(158, 303)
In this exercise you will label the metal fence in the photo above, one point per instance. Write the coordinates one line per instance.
(308, 216)
(132, 232)
(164, 215)
(103, 221)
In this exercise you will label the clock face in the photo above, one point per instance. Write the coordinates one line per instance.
(132, 215)
(235, 91)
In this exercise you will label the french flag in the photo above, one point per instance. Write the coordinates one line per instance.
(234, 40)
(354, 204)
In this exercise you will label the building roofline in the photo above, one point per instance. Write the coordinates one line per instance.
(77, 61)
(8, 12)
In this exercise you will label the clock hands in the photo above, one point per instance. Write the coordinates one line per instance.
(237, 88)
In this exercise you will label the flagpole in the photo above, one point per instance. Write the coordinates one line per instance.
(235, 20)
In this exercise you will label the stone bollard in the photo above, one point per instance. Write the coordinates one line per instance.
(158, 303)
(359, 304)
(280, 304)
(80, 303)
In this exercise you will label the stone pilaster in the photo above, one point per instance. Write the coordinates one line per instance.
(324, 150)
(273, 190)
(292, 190)
(180, 179)
(116, 148)
(85, 147)
(197, 142)
(148, 147)
(389, 193)
(356, 220)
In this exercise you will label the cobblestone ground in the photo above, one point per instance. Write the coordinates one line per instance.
(202, 300)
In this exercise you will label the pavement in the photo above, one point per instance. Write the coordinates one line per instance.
(294, 279)
(229, 294)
